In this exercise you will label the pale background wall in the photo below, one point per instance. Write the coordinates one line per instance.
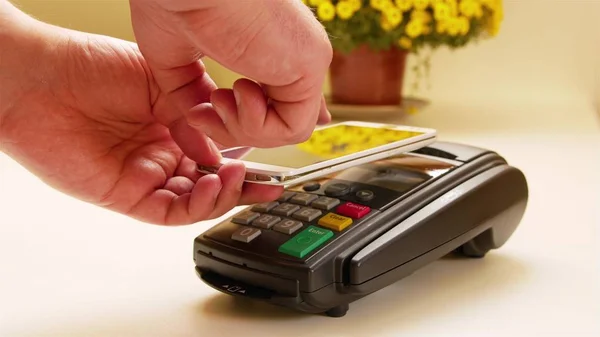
(548, 51)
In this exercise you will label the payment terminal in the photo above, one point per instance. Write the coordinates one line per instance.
(327, 243)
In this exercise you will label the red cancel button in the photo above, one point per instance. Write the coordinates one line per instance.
(353, 210)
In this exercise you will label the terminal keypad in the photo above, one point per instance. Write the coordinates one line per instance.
(308, 219)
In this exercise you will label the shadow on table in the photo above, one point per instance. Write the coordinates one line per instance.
(449, 285)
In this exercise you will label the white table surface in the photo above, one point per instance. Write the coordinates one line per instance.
(71, 269)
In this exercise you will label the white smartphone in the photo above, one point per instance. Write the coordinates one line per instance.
(330, 148)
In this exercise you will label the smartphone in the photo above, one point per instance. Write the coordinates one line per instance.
(329, 149)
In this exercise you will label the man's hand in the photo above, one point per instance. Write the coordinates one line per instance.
(278, 44)
(83, 113)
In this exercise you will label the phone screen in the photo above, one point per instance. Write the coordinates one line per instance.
(328, 143)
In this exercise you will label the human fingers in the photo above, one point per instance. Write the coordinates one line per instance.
(179, 185)
(237, 117)
(189, 169)
(291, 72)
(239, 192)
(174, 67)
(169, 107)
(165, 207)
(194, 143)
(232, 175)
(242, 117)
(257, 193)
(181, 202)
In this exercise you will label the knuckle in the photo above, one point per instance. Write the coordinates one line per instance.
(290, 136)
(250, 138)
(306, 135)
(237, 134)
(323, 54)
(326, 54)
(300, 136)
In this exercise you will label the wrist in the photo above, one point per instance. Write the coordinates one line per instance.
(25, 46)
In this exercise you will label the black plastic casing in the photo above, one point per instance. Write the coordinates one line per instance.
(472, 209)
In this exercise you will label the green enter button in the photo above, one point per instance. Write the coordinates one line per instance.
(306, 241)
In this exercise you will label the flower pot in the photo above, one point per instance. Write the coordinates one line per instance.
(368, 77)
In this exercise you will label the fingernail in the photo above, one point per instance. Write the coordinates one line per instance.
(240, 183)
(219, 188)
(222, 114)
(236, 96)
(204, 129)
(214, 150)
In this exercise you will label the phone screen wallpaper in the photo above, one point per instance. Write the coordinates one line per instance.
(328, 143)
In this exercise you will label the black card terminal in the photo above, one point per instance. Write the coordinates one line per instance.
(327, 243)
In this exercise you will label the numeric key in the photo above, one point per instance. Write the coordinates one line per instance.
(303, 199)
(307, 214)
(285, 196)
(246, 234)
(245, 217)
(265, 206)
(266, 221)
(285, 209)
(325, 203)
(287, 226)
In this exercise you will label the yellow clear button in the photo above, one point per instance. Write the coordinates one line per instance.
(335, 222)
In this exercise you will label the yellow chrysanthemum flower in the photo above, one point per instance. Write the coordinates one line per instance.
(414, 28)
(421, 4)
(379, 4)
(326, 11)
(389, 6)
(356, 4)
(426, 19)
(451, 4)
(493, 24)
(441, 26)
(453, 7)
(405, 42)
(441, 11)
(316, 2)
(427, 29)
(404, 5)
(344, 10)
(391, 18)
(464, 25)
(424, 16)
(385, 24)
(454, 26)
(448, 2)
(471, 8)
(491, 4)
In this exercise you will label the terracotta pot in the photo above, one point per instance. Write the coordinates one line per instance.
(367, 77)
